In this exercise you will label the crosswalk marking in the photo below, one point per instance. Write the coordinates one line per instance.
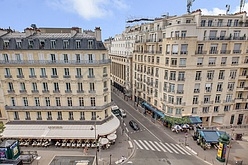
(177, 149)
(172, 148)
(154, 146)
(149, 145)
(138, 144)
(160, 147)
(166, 147)
(182, 149)
(144, 145)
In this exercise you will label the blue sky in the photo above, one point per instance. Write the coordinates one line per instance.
(110, 15)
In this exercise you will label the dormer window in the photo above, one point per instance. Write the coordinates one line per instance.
(53, 44)
(90, 44)
(30, 44)
(6, 44)
(65, 44)
(18, 44)
(42, 44)
(78, 44)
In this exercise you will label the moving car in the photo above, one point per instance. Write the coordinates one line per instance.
(134, 125)
(115, 110)
(123, 113)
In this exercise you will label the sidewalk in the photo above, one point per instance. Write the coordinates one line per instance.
(239, 148)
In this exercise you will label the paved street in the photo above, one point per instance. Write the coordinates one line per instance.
(153, 145)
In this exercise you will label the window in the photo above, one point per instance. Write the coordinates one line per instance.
(49, 115)
(210, 22)
(236, 48)
(223, 49)
(82, 116)
(172, 75)
(53, 58)
(47, 101)
(167, 61)
(184, 49)
(181, 76)
(195, 100)
(66, 59)
(171, 87)
(229, 98)
(177, 34)
(11, 87)
(227, 108)
(22, 86)
(34, 85)
(6, 57)
(217, 98)
(235, 60)
(53, 44)
(205, 109)
(105, 84)
(200, 49)
(7, 72)
(57, 100)
(79, 72)
(54, 72)
(71, 116)
(68, 87)
(216, 108)
(199, 61)
(223, 60)
(90, 58)
(174, 49)
(211, 60)
(206, 99)
(232, 119)
(92, 101)
(25, 101)
(90, 44)
(173, 61)
(198, 75)
(105, 99)
(219, 23)
(37, 101)
(168, 49)
(105, 70)
(60, 116)
(66, 71)
(210, 74)
(81, 101)
(208, 87)
(213, 49)
(203, 22)
(32, 72)
(229, 22)
(194, 110)
(230, 86)
(91, 73)
(233, 74)
(65, 44)
(180, 88)
(45, 86)
(78, 59)
(56, 87)
(219, 86)
(69, 101)
(19, 71)
(236, 22)
(13, 102)
(183, 34)
(212, 34)
(166, 74)
(16, 115)
(222, 34)
(43, 72)
(236, 34)
(179, 100)
(92, 87)
(221, 75)
(39, 117)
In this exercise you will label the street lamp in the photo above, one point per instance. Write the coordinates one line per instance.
(110, 159)
(96, 139)
(230, 144)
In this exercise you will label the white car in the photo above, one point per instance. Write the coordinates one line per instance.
(123, 113)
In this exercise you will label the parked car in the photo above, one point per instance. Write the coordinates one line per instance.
(123, 113)
(134, 125)
(115, 110)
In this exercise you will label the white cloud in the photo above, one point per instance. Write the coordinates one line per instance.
(89, 9)
(217, 11)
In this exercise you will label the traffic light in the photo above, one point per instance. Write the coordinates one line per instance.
(97, 148)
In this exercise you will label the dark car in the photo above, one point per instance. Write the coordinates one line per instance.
(134, 125)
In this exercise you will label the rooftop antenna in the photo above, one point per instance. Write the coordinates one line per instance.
(242, 5)
(227, 8)
(189, 4)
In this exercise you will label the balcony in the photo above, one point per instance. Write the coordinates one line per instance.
(80, 91)
(78, 76)
(54, 76)
(91, 76)
(68, 91)
(56, 91)
(105, 89)
(183, 52)
(67, 76)
(213, 52)
(207, 102)
(105, 75)
(8, 76)
(20, 76)
(200, 52)
(225, 51)
(236, 51)
(180, 91)
(92, 91)
(43, 76)
(45, 91)
(23, 91)
(196, 90)
(11, 91)
(57, 62)
(181, 79)
(32, 76)
(35, 91)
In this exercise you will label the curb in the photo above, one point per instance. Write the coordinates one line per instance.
(132, 153)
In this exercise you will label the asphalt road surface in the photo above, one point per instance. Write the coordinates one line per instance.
(153, 145)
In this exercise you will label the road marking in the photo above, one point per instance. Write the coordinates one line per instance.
(127, 129)
(154, 146)
(160, 147)
(138, 144)
(166, 147)
(139, 121)
(172, 148)
(191, 150)
(177, 149)
(149, 145)
(182, 149)
(144, 145)
(124, 124)
(130, 144)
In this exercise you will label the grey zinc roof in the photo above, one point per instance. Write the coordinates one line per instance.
(16, 35)
(52, 35)
(83, 35)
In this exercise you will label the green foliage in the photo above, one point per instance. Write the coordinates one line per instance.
(174, 120)
(1, 127)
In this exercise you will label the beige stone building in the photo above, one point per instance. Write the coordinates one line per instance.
(193, 65)
(55, 83)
